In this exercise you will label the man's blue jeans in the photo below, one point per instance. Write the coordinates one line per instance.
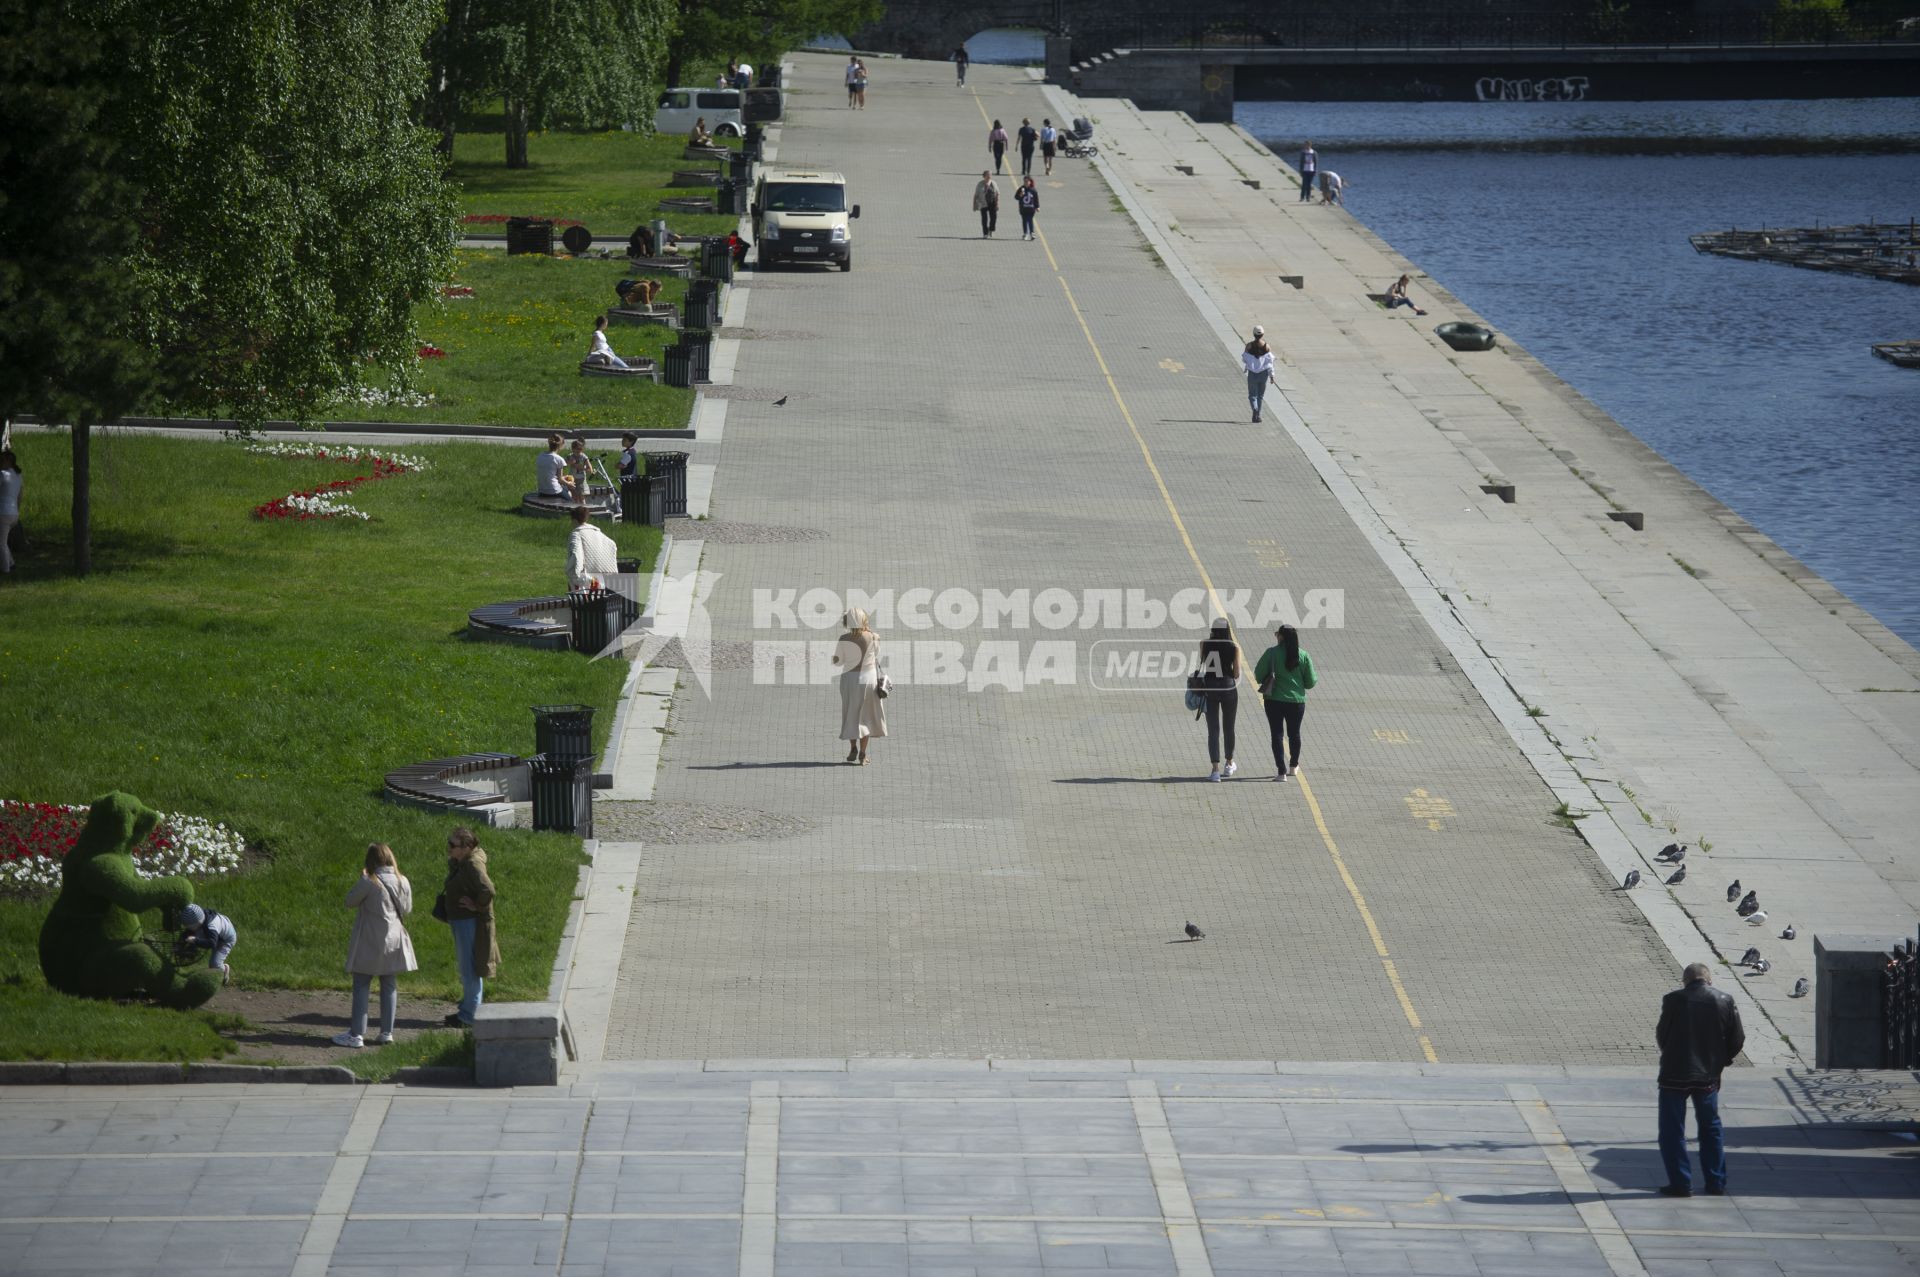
(471, 985)
(1673, 1136)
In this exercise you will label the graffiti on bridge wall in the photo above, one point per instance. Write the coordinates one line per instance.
(1493, 88)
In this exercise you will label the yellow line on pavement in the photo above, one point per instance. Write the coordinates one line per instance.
(1180, 525)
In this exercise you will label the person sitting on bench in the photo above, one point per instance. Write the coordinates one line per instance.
(698, 135)
(637, 293)
(602, 353)
(552, 471)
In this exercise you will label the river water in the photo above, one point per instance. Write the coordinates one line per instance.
(1566, 225)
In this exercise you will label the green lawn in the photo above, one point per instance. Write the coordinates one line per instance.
(513, 350)
(610, 182)
(267, 674)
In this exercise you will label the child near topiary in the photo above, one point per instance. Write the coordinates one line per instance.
(90, 944)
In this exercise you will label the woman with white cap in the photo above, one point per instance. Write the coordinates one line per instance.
(1258, 358)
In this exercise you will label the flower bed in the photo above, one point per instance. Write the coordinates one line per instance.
(35, 838)
(328, 501)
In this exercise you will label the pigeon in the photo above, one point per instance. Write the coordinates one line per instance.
(1762, 967)
(1679, 876)
(1757, 919)
(1733, 891)
(1750, 957)
(1800, 987)
(1631, 881)
(781, 402)
(1749, 904)
(1789, 933)
(1194, 933)
(1674, 852)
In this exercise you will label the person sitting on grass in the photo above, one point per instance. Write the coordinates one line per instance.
(592, 556)
(202, 928)
(602, 353)
(1397, 295)
(698, 135)
(551, 468)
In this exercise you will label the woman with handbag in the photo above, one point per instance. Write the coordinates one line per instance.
(863, 687)
(466, 900)
(380, 945)
(1217, 678)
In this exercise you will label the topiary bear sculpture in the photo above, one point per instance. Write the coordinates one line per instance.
(90, 944)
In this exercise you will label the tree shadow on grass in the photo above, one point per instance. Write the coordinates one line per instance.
(49, 552)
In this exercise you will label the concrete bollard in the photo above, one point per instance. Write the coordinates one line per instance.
(517, 1044)
(1848, 1028)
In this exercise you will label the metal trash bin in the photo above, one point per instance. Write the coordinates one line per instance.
(563, 732)
(562, 794)
(629, 591)
(529, 235)
(669, 472)
(699, 344)
(740, 166)
(758, 105)
(676, 366)
(595, 616)
(701, 307)
(716, 262)
(642, 500)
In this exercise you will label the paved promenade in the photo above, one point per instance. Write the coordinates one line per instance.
(943, 1171)
(1005, 878)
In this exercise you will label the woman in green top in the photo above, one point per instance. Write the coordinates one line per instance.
(1284, 674)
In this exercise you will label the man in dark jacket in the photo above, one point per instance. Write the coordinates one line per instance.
(1699, 1035)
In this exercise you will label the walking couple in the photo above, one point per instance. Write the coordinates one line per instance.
(1283, 674)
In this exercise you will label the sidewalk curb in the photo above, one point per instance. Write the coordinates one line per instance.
(595, 434)
(136, 1073)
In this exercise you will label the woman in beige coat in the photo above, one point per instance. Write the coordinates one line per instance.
(469, 896)
(863, 713)
(380, 946)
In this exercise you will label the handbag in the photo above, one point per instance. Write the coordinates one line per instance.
(882, 685)
(1196, 698)
(440, 908)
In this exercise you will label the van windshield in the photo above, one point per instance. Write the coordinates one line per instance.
(805, 197)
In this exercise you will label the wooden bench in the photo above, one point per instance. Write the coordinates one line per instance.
(518, 622)
(430, 784)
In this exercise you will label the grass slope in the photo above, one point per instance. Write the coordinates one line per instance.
(513, 350)
(610, 182)
(267, 674)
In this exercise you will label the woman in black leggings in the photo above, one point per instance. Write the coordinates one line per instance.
(1284, 674)
(1219, 672)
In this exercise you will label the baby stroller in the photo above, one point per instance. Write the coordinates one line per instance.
(1077, 143)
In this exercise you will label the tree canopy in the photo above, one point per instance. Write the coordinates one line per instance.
(758, 30)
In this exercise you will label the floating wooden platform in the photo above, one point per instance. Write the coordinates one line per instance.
(1904, 353)
(1881, 251)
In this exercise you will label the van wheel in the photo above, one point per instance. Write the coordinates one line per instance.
(728, 130)
(846, 263)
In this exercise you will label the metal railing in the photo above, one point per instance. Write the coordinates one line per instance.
(1900, 989)
(1618, 26)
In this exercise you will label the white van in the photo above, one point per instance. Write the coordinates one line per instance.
(802, 215)
(679, 108)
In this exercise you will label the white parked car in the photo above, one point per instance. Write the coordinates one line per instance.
(679, 108)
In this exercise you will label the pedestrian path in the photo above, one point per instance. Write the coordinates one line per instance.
(738, 1169)
(1003, 880)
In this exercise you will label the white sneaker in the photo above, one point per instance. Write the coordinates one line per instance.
(1214, 774)
(1230, 769)
(348, 1039)
(1281, 774)
(385, 1039)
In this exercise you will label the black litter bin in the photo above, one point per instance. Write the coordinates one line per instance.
(716, 261)
(641, 499)
(676, 365)
(761, 104)
(563, 733)
(529, 235)
(701, 308)
(740, 166)
(596, 619)
(629, 592)
(669, 472)
(770, 76)
(698, 345)
(562, 794)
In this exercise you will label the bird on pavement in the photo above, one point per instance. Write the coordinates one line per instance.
(1678, 876)
(1757, 919)
(1674, 852)
(1631, 881)
(1762, 967)
(1800, 987)
(1749, 903)
(1733, 891)
(1750, 957)
(781, 402)
(1789, 933)
(1194, 933)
